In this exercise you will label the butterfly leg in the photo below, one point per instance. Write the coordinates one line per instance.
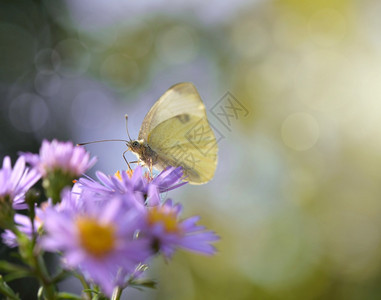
(132, 162)
(125, 159)
(136, 162)
(150, 167)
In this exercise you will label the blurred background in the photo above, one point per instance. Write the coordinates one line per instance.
(293, 92)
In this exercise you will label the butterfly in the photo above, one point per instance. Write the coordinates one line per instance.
(176, 132)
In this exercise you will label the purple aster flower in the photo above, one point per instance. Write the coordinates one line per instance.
(59, 164)
(140, 184)
(14, 183)
(63, 156)
(98, 238)
(91, 189)
(24, 225)
(169, 179)
(168, 233)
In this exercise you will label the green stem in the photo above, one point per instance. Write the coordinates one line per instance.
(85, 285)
(60, 276)
(35, 260)
(42, 274)
(117, 293)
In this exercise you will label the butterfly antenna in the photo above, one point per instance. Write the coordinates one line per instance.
(126, 116)
(101, 141)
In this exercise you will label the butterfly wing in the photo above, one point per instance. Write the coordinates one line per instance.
(177, 129)
(186, 140)
(179, 99)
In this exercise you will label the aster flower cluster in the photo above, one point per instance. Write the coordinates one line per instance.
(106, 230)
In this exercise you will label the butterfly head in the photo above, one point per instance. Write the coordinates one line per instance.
(135, 146)
(143, 151)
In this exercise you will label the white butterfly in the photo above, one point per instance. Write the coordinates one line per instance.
(176, 132)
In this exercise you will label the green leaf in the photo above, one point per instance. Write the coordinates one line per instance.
(143, 283)
(15, 255)
(69, 296)
(10, 267)
(7, 291)
(100, 297)
(91, 291)
(17, 275)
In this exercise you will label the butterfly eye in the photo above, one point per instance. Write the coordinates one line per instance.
(135, 144)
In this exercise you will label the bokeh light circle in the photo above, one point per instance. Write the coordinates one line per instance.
(136, 40)
(91, 109)
(47, 84)
(249, 38)
(28, 112)
(75, 57)
(300, 131)
(120, 71)
(47, 60)
(176, 45)
(96, 40)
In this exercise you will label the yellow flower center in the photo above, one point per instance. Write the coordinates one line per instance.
(129, 173)
(117, 175)
(97, 239)
(167, 218)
